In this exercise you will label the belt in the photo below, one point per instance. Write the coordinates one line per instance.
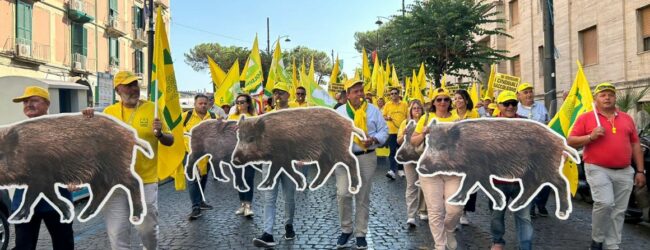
(364, 152)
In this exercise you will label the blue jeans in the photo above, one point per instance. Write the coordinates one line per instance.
(271, 196)
(392, 145)
(249, 179)
(195, 193)
(522, 220)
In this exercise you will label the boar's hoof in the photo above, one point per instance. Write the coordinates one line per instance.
(457, 199)
(353, 190)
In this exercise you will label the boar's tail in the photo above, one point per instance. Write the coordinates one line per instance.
(572, 153)
(358, 132)
(145, 147)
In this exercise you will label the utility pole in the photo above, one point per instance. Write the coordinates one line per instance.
(268, 38)
(550, 95)
(150, 34)
(403, 9)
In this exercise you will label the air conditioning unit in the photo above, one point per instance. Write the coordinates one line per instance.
(77, 5)
(139, 34)
(77, 65)
(24, 50)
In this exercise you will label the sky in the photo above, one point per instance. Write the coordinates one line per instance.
(317, 24)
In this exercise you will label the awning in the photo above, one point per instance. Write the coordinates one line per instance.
(54, 84)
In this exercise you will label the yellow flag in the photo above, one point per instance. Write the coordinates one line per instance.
(216, 72)
(365, 66)
(242, 75)
(334, 75)
(253, 73)
(422, 80)
(578, 101)
(372, 87)
(381, 82)
(443, 81)
(303, 71)
(310, 79)
(294, 75)
(475, 93)
(489, 92)
(229, 87)
(276, 72)
(169, 158)
(394, 81)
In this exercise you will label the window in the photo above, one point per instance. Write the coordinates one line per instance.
(644, 15)
(23, 22)
(138, 17)
(138, 61)
(589, 42)
(112, 8)
(79, 39)
(515, 66)
(114, 51)
(540, 52)
(514, 12)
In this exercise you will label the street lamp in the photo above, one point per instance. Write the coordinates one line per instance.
(286, 40)
(379, 23)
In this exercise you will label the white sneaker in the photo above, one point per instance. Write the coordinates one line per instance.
(424, 216)
(401, 173)
(464, 220)
(248, 210)
(451, 241)
(390, 174)
(240, 211)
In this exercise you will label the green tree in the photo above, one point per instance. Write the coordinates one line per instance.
(225, 56)
(441, 34)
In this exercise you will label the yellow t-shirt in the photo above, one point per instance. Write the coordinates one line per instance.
(421, 123)
(402, 127)
(397, 112)
(235, 117)
(193, 121)
(295, 104)
(141, 118)
(468, 114)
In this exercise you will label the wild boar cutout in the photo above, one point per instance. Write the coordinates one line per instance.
(312, 135)
(515, 150)
(216, 140)
(42, 154)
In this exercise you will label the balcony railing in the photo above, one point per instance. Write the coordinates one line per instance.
(32, 51)
(82, 64)
(139, 37)
(115, 26)
(80, 10)
(8, 46)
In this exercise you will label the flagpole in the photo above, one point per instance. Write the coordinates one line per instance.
(593, 105)
(150, 34)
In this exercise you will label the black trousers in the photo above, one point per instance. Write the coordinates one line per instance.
(61, 233)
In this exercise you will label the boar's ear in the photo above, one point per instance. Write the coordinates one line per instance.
(433, 123)
(259, 125)
(241, 118)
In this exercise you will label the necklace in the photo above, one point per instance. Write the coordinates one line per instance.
(611, 121)
(130, 121)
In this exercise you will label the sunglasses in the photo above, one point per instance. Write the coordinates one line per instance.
(443, 100)
(241, 102)
(417, 108)
(300, 94)
(394, 93)
(509, 103)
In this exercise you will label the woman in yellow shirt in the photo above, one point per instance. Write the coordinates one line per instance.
(244, 106)
(443, 217)
(465, 110)
(414, 200)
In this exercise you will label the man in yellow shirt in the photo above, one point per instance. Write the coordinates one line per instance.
(139, 114)
(192, 118)
(301, 93)
(394, 113)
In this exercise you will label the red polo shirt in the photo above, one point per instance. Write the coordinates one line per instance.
(613, 150)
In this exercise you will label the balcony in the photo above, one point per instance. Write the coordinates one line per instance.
(81, 64)
(8, 47)
(78, 11)
(115, 26)
(113, 65)
(139, 37)
(31, 52)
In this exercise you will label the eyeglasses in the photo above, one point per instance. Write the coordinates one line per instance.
(509, 103)
(300, 93)
(241, 102)
(443, 100)
(394, 93)
(417, 108)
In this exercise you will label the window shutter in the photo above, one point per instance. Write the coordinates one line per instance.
(590, 46)
(645, 21)
(84, 42)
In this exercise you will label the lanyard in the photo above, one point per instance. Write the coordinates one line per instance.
(130, 121)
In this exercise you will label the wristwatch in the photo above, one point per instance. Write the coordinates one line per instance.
(640, 172)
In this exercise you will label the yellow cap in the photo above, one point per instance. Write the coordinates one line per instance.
(524, 86)
(604, 86)
(486, 98)
(280, 86)
(33, 91)
(123, 78)
(440, 91)
(349, 83)
(426, 99)
(492, 106)
(506, 95)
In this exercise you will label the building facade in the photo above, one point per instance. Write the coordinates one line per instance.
(74, 40)
(611, 38)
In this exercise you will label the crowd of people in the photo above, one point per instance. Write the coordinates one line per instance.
(609, 174)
